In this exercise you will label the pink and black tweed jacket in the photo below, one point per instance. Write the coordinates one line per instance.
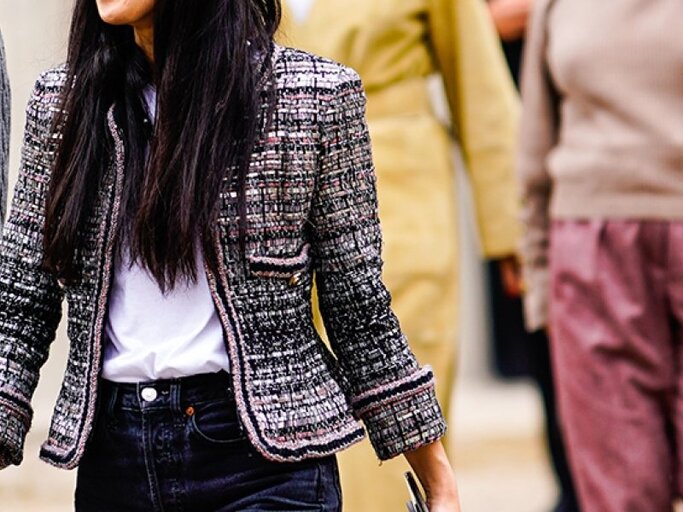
(312, 210)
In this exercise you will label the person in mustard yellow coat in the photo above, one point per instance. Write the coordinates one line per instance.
(396, 46)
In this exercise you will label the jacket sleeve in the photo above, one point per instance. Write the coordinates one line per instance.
(389, 391)
(4, 131)
(538, 137)
(30, 298)
(484, 111)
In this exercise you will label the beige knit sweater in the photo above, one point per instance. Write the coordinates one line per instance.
(602, 123)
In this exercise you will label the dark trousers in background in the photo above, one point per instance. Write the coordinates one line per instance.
(177, 445)
(518, 353)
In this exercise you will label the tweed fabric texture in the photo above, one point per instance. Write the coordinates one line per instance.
(4, 131)
(311, 210)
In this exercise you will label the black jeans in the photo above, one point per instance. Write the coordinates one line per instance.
(178, 445)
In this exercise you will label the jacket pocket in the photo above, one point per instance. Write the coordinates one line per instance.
(286, 266)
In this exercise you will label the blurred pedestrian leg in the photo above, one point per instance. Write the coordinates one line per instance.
(519, 353)
(617, 326)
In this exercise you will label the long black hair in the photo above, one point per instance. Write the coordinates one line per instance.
(211, 59)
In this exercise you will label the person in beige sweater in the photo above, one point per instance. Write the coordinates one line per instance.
(601, 168)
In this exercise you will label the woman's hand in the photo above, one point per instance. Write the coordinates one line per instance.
(434, 471)
(511, 276)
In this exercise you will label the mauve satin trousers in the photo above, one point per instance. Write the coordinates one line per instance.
(617, 331)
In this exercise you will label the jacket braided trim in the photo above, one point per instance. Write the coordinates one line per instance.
(398, 390)
(20, 400)
(69, 458)
(11, 403)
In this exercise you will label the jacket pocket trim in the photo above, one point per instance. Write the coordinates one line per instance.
(279, 266)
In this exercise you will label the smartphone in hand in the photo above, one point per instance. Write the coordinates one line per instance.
(417, 501)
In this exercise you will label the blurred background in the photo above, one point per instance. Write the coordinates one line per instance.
(496, 426)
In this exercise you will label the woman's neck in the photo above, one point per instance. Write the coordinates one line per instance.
(144, 37)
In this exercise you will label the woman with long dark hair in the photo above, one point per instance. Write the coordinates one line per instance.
(183, 178)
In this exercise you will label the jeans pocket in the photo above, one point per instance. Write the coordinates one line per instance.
(329, 486)
(292, 486)
(216, 422)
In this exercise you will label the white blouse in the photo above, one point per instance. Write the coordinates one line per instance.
(155, 336)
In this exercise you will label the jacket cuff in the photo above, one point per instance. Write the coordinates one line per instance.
(403, 415)
(14, 425)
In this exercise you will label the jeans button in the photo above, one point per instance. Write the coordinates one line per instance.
(148, 394)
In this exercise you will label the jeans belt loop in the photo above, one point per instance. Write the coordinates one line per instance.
(111, 401)
(176, 393)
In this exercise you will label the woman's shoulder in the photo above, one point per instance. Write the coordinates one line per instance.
(53, 77)
(299, 68)
(46, 94)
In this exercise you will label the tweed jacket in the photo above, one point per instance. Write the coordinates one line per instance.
(4, 131)
(311, 210)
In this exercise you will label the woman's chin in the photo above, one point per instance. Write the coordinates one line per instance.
(124, 12)
(114, 19)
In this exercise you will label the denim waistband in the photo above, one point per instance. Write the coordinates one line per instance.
(170, 394)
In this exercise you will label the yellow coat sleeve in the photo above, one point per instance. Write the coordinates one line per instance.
(484, 110)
